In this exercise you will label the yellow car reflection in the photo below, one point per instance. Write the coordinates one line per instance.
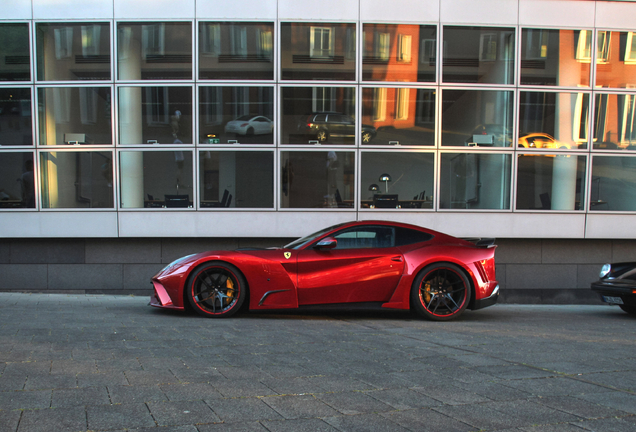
(541, 140)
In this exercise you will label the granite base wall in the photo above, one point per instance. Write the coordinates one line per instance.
(530, 271)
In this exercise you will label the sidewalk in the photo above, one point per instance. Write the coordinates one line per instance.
(112, 363)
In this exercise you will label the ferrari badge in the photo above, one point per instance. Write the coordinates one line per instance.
(287, 255)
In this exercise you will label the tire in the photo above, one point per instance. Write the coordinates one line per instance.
(366, 137)
(216, 289)
(630, 309)
(322, 136)
(441, 292)
(249, 132)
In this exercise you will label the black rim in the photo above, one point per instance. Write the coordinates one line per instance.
(215, 290)
(443, 292)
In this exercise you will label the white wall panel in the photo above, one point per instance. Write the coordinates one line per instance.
(16, 9)
(399, 10)
(72, 9)
(558, 13)
(154, 9)
(613, 226)
(226, 224)
(240, 9)
(479, 12)
(510, 225)
(58, 224)
(337, 10)
(615, 15)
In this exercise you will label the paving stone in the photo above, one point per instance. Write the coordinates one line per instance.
(233, 427)
(242, 409)
(402, 398)
(352, 403)
(298, 425)
(366, 423)
(80, 397)
(53, 419)
(119, 416)
(301, 406)
(182, 413)
(136, 394)
(25, 399)
(425, 419)
(189, 391)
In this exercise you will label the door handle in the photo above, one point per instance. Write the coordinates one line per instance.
(397, 258)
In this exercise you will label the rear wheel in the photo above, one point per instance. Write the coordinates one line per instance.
(630, 309)
(216, 289)
(440, 292)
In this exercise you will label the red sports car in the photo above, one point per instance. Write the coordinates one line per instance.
(385, 264)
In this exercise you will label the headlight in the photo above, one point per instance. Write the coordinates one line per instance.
(175, 263)
(605, 270)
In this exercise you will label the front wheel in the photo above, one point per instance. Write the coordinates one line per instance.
(216, 289)
(440, 292)
(630, 309)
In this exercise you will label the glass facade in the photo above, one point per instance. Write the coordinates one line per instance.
(278, 115)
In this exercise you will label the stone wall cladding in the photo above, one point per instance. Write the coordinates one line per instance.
(531, 271)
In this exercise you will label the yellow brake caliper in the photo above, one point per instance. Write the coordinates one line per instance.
(427, 292)
(230, 290)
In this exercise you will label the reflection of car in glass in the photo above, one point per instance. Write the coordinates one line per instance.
(326, 125)
(490, 135)
(617, 285)
(541, 140)
(249, 125)
(388, 265)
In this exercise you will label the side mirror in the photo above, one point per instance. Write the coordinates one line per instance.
(326, 243)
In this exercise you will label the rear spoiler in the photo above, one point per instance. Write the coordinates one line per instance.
(481, 242)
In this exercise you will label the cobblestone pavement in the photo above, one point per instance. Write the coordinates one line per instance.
(112, 363)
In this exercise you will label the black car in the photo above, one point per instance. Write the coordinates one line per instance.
(617, 285)
(322, 126)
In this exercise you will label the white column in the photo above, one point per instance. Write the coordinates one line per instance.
(130, 126)
(564, 182)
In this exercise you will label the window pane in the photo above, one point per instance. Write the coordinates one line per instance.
(555, 57)
(17, 183)
(14, 51)
(236, 179)
(314, 115)
(76, 179)
(398, 116)
(155, 115)
(240, 50)
(156, 179)
(318, 51)
(615, 122)
(73, 51)
(616, 60)
(154, 51)
(481, 118)
(553, 120)
(479, 55)
(317, 179)
(241, 114)
(74, 115)
(550, 182)
(399, 52)
(613, 184)
(475, 181)
(397, 180)
(15, 116)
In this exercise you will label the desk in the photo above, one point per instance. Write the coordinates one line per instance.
(406, 204)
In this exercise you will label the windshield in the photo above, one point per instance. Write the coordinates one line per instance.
(297, 244)
(244, 117)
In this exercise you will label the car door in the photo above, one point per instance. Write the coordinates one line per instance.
(364, 266)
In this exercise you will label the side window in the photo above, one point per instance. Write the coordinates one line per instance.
(366, 237)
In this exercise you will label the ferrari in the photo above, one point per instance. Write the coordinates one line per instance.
(369, 264)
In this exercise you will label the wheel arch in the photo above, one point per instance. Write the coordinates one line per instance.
(462, 266)
(186, 304)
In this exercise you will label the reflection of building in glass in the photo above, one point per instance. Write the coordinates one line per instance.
(261, 120)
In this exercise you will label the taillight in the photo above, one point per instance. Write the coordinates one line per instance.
(245, 124)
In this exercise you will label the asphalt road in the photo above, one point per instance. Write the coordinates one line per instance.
(87, 362)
